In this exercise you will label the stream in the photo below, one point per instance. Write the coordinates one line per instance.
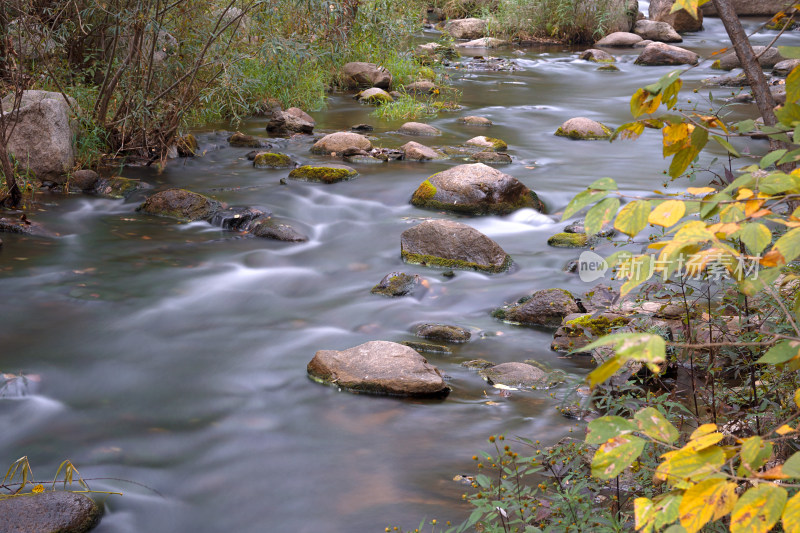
(174, 355)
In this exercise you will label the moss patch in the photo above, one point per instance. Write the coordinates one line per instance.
(498, 145)
(608, 68)
(424, 192)
(598, 326)
(433, 261)
(588, 136)
(272, 160)
(187, 146)
(568, 240)
(322, 174)
(116, 187)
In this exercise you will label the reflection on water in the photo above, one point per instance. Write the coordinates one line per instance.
(174, 355)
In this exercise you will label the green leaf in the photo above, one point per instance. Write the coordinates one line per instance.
(640, 269)
(668, 505)
(745, 180)
(725, 144)
(778, 182)
(606, 427)
(792, 466)
(745, 126)
(604, 184)
(752, 286)
(633, 217)
(754, 453)
(758, 509)
(769, 159)
(581, 200)
(788, 115)
(643, 347)
(710, 204)
(789, 245)
(789, 52)
(600, 215)
(780, 353)
(682, 160)
(604, 372)
(653, 424)
(756, 237)
(615, 455)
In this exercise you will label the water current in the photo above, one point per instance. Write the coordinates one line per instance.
(174, 355)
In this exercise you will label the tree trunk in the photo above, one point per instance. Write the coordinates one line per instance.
(14, 197)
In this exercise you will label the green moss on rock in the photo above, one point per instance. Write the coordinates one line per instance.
(187, 146)
(498, 145)
(432, 260)
(424, 193)
(116, 187)
(598, 326)
(578, 136)
(568, 240)
(272, 160)
(322, 174)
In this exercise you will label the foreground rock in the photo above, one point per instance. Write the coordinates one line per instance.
(414, 151)
(656, 31)
(584, 129)
(339, 142)
(597, 56)
(620, 39)
(293, 120)
(449, 244)
(682, 21)
(396, 284)
(42, 136)
(443, 332)
(655, 54)
(470, 28)
(180, 204)
(475, 189)
(365, 75)
(378, 367)
(323, 173)
(49, 512)
(547, 307)
(767, 58)
(418, 128)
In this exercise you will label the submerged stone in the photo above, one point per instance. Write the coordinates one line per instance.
(418, 128)
(236, 218)
(396, 284)
(448, 244)
(378, 367)
(520, 375)
(272, 160)
(116, 187)
(492, 158)
(427, 347)
(240, 140)
(475, 121)
(443, 332)
(569, 240)
(547, 307)
(180, 204)
(597, 56)
(323, 173)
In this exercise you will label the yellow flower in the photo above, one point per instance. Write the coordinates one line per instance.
(38, 488)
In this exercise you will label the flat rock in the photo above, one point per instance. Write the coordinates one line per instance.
(656, 31)
(584, 129)
(469, 28)
(414, 151)
(49, 512)
(475, 121)
(682, 21)
(597, 56)
(475, 189)
(498, 145)
(180, 204)
(655, 54)
(341, 141)
(374, 96)
(268, 228)
(323, 173)
(443, 332)
(768, 58)
(484, 42)
(620, 39)
(519, 375)
(427, 347)
(449, 244)
(491, 158)
(785, 67)
(547, 307)
(378, 367)
(360, 74)
(418, 128)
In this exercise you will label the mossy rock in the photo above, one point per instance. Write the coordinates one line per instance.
(596, 325)
(488, 143)
(396, 284)
(569, 240)
(374, 96)
(240, 140)
(323, 174)
(477, 364)
(584, 129)
(546, 307)
(427, 347)
(180, 204)
(608, 68)
(272, 160)
(187, 146)
(116, 187)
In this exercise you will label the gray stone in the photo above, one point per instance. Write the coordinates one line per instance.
(491, 158)
(116, 187)
(180, 204)
(450, 244)
(443, 332)
(475, 121)
(498, 145)
(767, 59)
(378, 367)
(341, 141)
(83, 180)
(360, 74)
(43, 133)
(520, 375)
(418, 128)
(621, 16)
(785, 67)
(547, 307)
(656, 53)
(427, 347)
(469, 28)
(414, 151)
(597, 56)
(475, 189)
(682, 21)
(48, 512)
(396, 284)
(268, 228)
(421, 87)
(484, 42)
(240, 140)
(293, 120)
(374, 96)
(620, 39)
(585, 129)
(656, 31)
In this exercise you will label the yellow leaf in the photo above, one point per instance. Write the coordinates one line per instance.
(690, 6)
(776, 472)
(785, 430)
(642, 102)
(703, 442)
(744, 194)
(667, 213)
(774, 258)
(700, 191)
(758, 509)
(703, 430)
(791, 515)
(752, 206)
(726, 229)
(38, 488)
(709, 499)
(676, 138)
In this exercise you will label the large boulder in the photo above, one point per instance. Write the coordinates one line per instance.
(49, 512)
(359, 74)
(767, 58)
(547, 307)
(43, 133)
(749, 8)
(655, 54)
(584, 129)
(378, 367)
(470, 28)
(656, 31)
(621, 39)
(475, 189)
(180, 204)
(682, 21)
(450, 244)
(293, 120)
(620, 15)
(339, 142)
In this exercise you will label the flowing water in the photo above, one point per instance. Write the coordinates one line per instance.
(174, 355)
